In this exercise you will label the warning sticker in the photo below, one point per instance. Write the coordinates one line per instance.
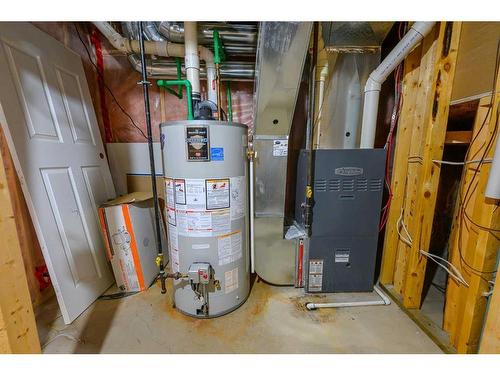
(199, 223)
(197, 143)
(169, 192)
(217, 194)
(195, 194)
(315, 275)
(315, 283)
(280, 147)
(180, 192)
(221, 222)
(238, 194)
(173, 242)
(230, 280)
(229, 248)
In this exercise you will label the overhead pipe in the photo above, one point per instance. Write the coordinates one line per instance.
(374, 83)
(160, 48)
(166, 69)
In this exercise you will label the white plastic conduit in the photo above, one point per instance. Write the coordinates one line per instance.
(493, 187)
(378, 302)
(163, 48)
(372, 88)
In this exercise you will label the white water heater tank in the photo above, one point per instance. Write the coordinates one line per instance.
(206, 206)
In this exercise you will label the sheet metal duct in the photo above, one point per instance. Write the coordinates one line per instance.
(354, 36)
(281, 52)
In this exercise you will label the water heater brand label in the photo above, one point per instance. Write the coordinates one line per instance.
(349, 171)
(198, 144)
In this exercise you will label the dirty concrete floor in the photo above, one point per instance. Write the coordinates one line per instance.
(273, 320)
(433, 305)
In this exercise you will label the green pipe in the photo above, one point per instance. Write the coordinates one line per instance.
(229, 102)
(219, 54)
(178, 94)
(180, 82)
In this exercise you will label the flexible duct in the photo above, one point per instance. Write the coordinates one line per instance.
(374, 83)
(160, 48)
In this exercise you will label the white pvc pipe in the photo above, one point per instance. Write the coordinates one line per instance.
(372, 88)
(493, 188)
(191, 58)
(252, 221)
(207, 56)
(379, 302)
(166, 49)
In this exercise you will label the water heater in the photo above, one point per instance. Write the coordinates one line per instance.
(205, 170)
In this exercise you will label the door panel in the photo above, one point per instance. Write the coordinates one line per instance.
(51, 128)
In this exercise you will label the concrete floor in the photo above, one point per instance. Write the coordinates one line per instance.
(273, 320)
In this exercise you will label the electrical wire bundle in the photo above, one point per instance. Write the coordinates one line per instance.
(396, 111)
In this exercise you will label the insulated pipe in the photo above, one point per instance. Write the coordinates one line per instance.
(384, 301)
(374, 83)
(191, 58)
(160, 48)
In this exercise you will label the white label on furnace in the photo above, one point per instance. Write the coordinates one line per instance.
(173, 242)
(195, 194)
(316, 266)
(221, 222)
(231, 280)
(229, 248)
(238, 193)
(315, 283)
(280, 147)
(217, 194)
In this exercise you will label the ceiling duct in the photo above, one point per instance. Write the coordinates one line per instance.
(352, 37)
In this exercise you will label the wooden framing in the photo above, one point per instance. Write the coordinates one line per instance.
(490, 341)
(473, 247)
(424, 193)
(420, 140)
(466, 306)
(18, 332)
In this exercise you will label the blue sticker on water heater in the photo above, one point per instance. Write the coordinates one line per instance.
(217, 154)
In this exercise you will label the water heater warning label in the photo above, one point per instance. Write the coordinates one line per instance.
(217, 194)
(280, 147)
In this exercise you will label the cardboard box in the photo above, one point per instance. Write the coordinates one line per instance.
(128, 227)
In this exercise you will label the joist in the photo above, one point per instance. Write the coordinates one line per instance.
(402, 149)
(18, 332)
(460, 230)
(490, 339)
(424, 87)
(482, 245)
(424, 192)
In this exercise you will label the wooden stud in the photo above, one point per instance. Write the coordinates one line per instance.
(429, 56)
(459, 235)
(18, 332)
(423, 199)
(402, 149)
(490, 340)
(482, 246)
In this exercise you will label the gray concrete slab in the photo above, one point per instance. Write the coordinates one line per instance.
(273, 320)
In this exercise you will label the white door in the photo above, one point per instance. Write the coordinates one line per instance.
(47, 116)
